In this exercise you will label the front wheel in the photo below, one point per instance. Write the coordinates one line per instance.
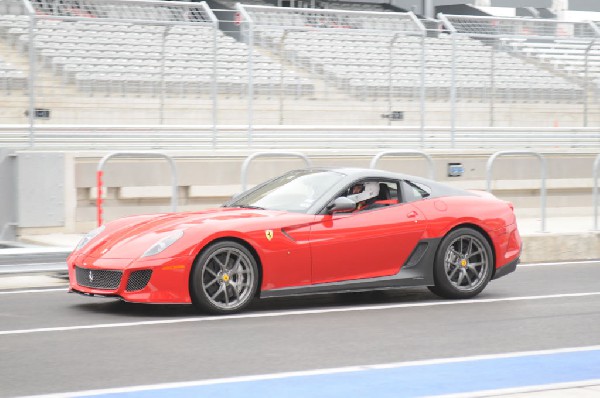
(224, 278)
(463, 264)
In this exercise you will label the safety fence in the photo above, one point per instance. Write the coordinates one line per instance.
(94, 70)
(373, 164)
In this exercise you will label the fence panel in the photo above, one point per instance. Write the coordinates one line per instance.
(230, 77)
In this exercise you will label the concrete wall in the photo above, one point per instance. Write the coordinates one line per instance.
(8, 198)
(101, 110)
(207, 179)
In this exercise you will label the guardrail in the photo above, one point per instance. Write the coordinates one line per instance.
(407, 152)
(250, 158)
(595, 190)
(488, 176)
(285, 137)
(99, 175)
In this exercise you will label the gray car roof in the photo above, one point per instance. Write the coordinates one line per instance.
(437, 189)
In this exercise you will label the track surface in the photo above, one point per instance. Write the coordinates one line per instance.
(52, 342)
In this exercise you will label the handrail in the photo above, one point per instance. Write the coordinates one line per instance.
(488, 176)
(595, 191)
(406, 152)
(134, 154)
(266, 155)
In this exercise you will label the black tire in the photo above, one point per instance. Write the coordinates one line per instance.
(463, 264)
(224, 278)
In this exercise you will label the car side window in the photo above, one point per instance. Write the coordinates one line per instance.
(416, 190)
(373, 194)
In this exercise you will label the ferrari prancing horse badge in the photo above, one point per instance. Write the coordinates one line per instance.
(269, 234)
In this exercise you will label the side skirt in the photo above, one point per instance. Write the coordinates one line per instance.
(416, 271)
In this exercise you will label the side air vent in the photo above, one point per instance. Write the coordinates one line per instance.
(416, 255)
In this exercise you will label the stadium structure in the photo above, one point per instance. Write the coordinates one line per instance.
(342, 80)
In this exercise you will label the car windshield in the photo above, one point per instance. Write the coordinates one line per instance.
(295, 191)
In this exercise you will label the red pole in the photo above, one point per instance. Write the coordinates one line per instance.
(99, 197)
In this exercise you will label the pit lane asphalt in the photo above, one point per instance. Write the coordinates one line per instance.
(43, 348)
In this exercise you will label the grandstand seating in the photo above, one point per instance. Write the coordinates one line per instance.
(128, 58)
(360, 63)
(568, 57)
(354, 6)
(294, 52)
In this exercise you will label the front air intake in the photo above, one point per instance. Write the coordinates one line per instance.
(98, 278)
(138, 280)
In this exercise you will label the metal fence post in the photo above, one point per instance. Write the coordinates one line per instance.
(32, 72)
(453, 92)
(162, 74)
(134, 154)
(390, 74)
(214, 86)
(422, 92)
(407, 152)
(493, 83)
(585, 82)
(255, 155)
(250, 81)
(488, 177)
(595, 191)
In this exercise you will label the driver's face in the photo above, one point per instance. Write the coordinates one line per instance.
(357, 189)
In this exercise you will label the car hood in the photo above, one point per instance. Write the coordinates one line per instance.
(129, 238)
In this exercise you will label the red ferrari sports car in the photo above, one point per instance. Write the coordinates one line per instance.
(307, 231)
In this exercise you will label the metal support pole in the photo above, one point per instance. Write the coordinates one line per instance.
(585, 83)
(135, 154)
(493, 86)
(214, 86)
(407, 152)
(32, 76)
(162, 75)
(249, 159)
(281, 92)
(488, 177)
(595, 191)
(453, 93)
(422, 93)
(390, 85)
(250, 81)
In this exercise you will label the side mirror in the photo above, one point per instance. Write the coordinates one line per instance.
(341, 205)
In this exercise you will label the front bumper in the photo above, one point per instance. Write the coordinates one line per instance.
(147, 281)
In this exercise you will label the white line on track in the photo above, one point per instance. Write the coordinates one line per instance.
(530, 389)
(584, 262)
(292, 313)
(62, 289)
(346, 369)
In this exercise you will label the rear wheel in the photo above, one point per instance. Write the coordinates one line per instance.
(224, 278)
(463, 264)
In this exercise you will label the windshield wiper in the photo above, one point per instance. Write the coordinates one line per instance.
(250, 207)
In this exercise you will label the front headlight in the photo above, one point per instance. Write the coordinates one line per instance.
(90, 235)
(163, 243)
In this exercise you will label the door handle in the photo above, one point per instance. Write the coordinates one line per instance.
(411, 214)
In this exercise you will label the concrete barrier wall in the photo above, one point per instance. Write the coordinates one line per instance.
(207, 179)
(561, 247)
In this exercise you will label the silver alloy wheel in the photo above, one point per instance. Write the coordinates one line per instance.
(227, 278)
(466, 263)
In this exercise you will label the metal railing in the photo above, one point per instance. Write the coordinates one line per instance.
(136, 155)
(595, 171)
(292, 137)
(540, 157)
(429, 159)
(182, 65)
(249, 159)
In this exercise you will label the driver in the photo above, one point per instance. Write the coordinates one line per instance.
(363, 193)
